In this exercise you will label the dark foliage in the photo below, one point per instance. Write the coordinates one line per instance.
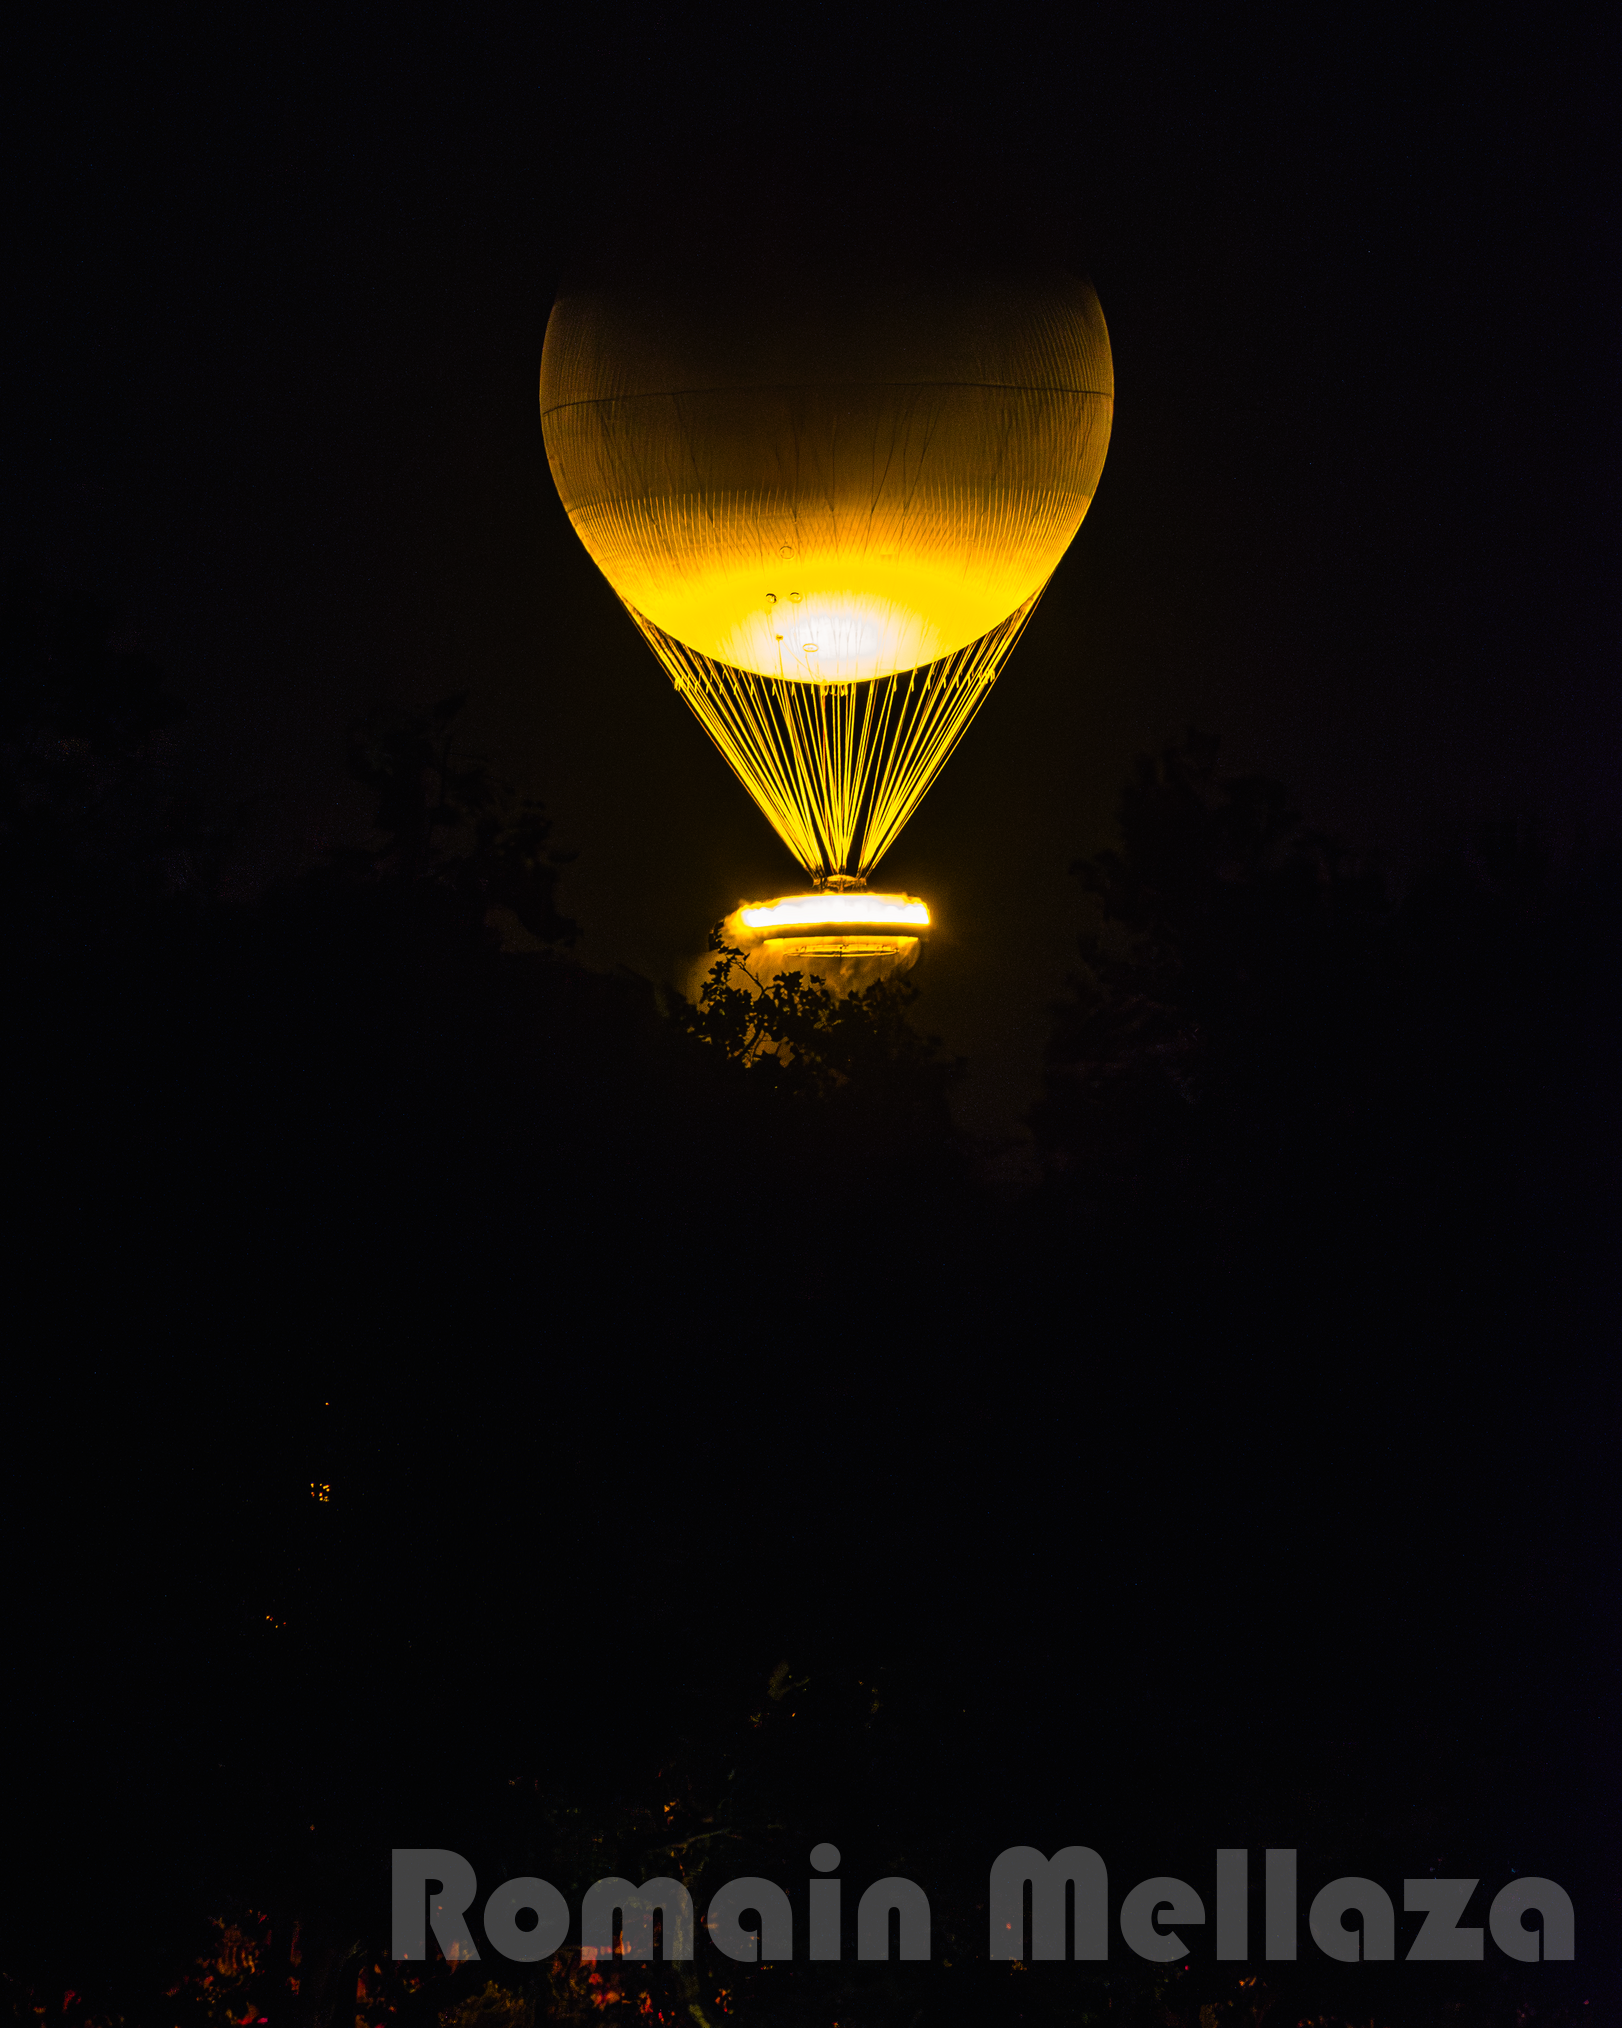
(391, 1060)
(94, 824)
(1269, 1050)
(854, 1055)
(449, 825)
(475, 1362)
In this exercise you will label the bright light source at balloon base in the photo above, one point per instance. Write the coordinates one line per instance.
(831, 909)
(844, 937)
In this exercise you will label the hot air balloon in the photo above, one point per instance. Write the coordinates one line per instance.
(830, 503)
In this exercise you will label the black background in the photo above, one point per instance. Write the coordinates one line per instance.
(278, 286)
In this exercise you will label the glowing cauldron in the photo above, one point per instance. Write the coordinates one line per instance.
(843, 936)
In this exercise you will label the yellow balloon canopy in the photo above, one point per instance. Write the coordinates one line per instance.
(830, 516)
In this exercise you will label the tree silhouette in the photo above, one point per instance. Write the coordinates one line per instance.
(810, 1042)
(1272, 1062)
(449, 825)
(381, 1105)
(96, 821)
(1219, 1022)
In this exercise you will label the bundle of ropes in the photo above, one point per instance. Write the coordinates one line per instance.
(838, 767)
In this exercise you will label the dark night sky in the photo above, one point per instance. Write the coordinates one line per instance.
(278, 296)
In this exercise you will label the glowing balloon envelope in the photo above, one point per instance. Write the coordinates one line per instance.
(830, 517)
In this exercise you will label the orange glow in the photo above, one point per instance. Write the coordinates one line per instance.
(850, 504)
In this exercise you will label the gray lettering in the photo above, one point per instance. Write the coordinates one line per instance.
(1509, 1931)
(526, 1946)
(1280, 1917)
(1440, 1937)
(1233, 1903)
(748, 1946)
(825, 1904)
(1162, 1896)
(1077, 1866)
(414, 1867)
(873, 1919)
(636, 1906)
(1378, 1938)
